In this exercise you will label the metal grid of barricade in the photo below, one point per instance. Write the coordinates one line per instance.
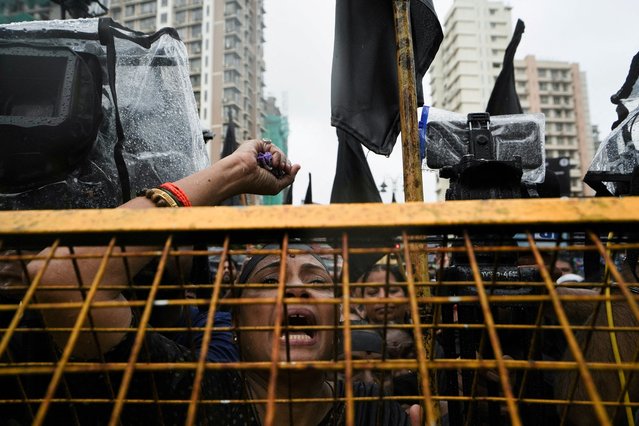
(497, 340)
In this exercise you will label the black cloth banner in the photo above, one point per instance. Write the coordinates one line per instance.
(288, 198)
(353, 181)
(364, 87)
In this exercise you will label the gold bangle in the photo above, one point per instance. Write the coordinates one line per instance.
(160, 198)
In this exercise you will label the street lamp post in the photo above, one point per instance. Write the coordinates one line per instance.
(396, 183)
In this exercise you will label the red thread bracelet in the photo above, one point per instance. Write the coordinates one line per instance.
(177, 193)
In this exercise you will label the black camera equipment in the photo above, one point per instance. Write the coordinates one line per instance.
(491, 159)
(478, 175)
(484, 158)
(91, 113)
(50, 113)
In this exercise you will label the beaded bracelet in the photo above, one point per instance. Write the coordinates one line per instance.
(167, 195)
(160, 197)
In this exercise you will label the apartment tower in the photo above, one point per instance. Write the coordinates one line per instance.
(558, 90)
(224, 40)
(471, 55)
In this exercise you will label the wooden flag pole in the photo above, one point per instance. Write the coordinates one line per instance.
(414, 188)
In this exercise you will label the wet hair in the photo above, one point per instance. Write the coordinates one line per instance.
(250, 264)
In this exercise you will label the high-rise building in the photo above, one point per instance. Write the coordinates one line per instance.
(35, 10)
(558, 90)
(276, 125)
(224, 40)
(471, 55)
(470, 59)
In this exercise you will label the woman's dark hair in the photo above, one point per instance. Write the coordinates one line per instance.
(250, 264)
(392, 270)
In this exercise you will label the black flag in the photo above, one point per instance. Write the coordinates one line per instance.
(309, 191)
(353, 181)
(228, 147)
(365, 92)
(288, 198)
(504, 99)
(364, 86)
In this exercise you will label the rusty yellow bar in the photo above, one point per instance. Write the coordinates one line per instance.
(571, 341)
(492, 335)
(15, 321)
(355, 216)
(139, 336)
(348, 344)
(206, 337)
(442, 364)
(308, 217)
(423, 351)
(73, 337)
(269, 417)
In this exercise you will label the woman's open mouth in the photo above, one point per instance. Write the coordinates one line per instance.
(293, 327)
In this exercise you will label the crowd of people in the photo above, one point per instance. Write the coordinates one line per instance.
(309, 331)
(307, 277)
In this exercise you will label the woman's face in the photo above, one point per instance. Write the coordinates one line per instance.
(378, 311)
(303, 275)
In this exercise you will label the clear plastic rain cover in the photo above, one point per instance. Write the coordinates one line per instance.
(447, 138)
(160, 138)
(619, 153)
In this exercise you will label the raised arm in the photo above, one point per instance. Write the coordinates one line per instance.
(238, 173)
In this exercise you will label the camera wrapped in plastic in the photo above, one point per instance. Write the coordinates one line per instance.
(91, 113)
(447, 138)
(615, 167)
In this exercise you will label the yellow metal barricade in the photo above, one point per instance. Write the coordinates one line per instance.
(511, 345)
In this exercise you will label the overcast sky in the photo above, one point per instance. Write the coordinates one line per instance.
(599, 35)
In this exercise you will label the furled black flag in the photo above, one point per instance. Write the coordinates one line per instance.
(504, 99)
(288, 198)
(364, 87)
(309, 191)
(228, 147)
(353, 181)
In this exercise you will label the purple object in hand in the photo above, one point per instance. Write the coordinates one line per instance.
(265, 160)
